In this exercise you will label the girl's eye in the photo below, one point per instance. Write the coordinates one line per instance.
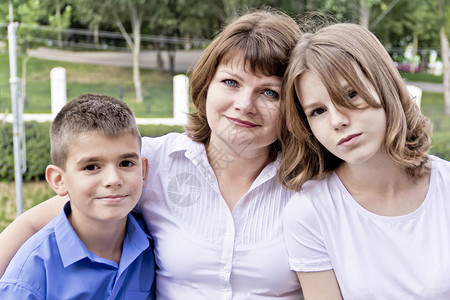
(317, 112)
(352, 94)
(91, 168)
(127, 163)
(271, 94)
(230, 82)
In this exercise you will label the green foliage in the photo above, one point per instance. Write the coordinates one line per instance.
(422, 77)
(440, 145)
(38, 148)
(158, 130)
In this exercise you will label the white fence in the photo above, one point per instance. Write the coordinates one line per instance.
(58, 97)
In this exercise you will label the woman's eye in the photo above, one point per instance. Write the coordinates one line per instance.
(230, 82)
(127, 163)
(271, 94)
(91, 168)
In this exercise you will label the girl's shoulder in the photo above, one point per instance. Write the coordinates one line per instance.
(440, 167)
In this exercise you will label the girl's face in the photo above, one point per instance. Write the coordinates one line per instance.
(242, 109)
(353, 135)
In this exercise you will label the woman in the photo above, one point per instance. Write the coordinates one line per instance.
(211, 201)
(375, 221)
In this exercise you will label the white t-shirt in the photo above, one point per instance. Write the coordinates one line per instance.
(373, 256)
(202, 249)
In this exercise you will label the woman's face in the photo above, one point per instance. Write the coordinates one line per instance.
(242, 109)
(353, 135)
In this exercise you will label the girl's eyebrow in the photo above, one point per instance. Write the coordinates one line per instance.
(310, 105)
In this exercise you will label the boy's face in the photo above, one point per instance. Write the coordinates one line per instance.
(104, 176)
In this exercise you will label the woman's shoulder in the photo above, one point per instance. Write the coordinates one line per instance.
(165, 144)
(162, 140)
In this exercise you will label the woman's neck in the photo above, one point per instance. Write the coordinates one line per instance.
(236, 172)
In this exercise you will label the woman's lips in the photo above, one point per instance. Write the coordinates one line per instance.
(241, 123)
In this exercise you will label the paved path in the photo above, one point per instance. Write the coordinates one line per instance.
(183, 59)
(429, 87)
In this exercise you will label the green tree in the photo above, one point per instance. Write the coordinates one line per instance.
(127, 16)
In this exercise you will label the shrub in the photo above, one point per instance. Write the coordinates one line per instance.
(440, 145)
(37, 140)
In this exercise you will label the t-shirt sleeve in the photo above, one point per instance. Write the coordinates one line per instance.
(303, 236)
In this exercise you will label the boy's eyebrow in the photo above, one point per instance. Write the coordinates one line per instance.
(92, 159)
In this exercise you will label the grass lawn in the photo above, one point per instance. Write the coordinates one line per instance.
(86, 78)
(422, 77)
(33, 193)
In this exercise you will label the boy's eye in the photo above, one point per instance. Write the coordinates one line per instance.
(127, 163)
(271, 94)
(91, 168)
(230, 82)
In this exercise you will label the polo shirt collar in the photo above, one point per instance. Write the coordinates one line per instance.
(73, 250)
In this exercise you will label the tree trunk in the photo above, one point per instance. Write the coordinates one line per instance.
(58, 23)
(136, 71)
(446, 63)
(445, 57)
(364, 13)
(412, 67)
(96, 37)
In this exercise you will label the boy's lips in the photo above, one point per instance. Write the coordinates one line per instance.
(241, 123)
(112, 198)
(349, 140)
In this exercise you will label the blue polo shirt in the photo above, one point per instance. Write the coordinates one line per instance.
(55, 264)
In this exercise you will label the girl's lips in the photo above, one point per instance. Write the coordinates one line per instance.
(349, 140)
(241, 123)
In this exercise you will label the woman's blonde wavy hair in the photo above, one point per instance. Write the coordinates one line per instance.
(265, 39)
(334, 52)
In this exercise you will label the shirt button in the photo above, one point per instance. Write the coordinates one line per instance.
(226, 268)
(226, 296)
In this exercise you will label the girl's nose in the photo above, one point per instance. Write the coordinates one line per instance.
(339, 118)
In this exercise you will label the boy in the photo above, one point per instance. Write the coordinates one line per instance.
(94, 249)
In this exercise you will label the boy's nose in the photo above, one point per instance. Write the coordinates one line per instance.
(113, 178)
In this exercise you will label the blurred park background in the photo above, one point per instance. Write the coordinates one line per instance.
(414, 32)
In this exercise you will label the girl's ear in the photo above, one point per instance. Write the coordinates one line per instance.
(55, 178)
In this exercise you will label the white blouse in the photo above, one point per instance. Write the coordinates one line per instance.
(204, 250)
